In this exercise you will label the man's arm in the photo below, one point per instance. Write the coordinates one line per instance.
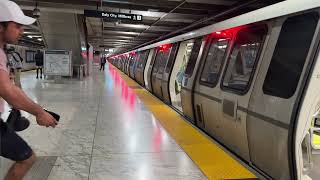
(19, 100)
(15, 96)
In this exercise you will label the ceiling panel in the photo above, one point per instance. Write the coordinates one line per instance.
(160, 17)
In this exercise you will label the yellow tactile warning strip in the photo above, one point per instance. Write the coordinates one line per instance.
(211, 159)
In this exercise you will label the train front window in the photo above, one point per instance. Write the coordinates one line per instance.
(243, 58)
(214, 62)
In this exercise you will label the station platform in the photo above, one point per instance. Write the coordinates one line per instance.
(113, 129)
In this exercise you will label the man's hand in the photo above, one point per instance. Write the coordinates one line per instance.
(45, 119)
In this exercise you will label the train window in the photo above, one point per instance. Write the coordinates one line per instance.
(290, 55)
(161, 60)
(213, 62)
(243, 57)
(172, 58)
(132, 60)
(154, 56)
(193, 57)
(142, 59)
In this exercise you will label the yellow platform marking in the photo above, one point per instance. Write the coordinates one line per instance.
(210, 158)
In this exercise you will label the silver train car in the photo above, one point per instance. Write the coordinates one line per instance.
(251, 82)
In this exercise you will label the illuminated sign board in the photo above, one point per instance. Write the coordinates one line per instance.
(112, 15)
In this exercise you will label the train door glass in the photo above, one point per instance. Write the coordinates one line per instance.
(188, 79)
(148, 74)
(140, 66)
(242, 59)
(182, 59)
(159, 67)
(214, 62)
(161, 60)
(237, 78)
(131, 64)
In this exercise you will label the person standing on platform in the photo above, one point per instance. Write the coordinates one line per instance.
(39, 62)
(12, 146)
(103, 61)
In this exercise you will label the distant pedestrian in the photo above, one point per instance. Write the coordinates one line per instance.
(39, 62)
(103, 61)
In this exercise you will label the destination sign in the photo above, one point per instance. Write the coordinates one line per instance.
(112, 15)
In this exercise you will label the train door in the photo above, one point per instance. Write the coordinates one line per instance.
(207, 92)
(121, 62)
(307, 138)
(148, 69)
(141, 64)
(161, 60)
(133, 62)
(275, 100)
(179, 67)
(236, 86)
(188, 79)
(124, 60)
(127, 62)
(118, 63)
(167, 74)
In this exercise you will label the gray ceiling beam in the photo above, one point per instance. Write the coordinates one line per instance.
(56, 6)
(129, 33)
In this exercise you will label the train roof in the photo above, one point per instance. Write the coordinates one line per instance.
(273, 11)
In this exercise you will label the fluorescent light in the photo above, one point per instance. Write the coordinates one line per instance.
(39, 39)
(29, 36)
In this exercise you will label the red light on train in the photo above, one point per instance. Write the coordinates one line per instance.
(165, 47)
(133, 53)
(222, 34)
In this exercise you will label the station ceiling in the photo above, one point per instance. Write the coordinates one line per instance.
(161, 18)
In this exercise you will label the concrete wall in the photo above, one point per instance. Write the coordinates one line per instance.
(63, 31)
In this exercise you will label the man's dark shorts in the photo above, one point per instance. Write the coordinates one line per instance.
(12, 146)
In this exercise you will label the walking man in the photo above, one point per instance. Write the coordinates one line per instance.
(39, 62)
(103, 61)
(12, 146)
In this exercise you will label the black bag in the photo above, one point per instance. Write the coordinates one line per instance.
(16, 121)
(13, 117)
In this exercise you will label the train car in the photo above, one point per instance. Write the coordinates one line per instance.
(251, 82)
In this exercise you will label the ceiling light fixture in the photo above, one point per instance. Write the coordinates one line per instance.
(36, 12)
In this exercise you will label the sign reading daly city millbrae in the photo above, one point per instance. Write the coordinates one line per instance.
(112, 15)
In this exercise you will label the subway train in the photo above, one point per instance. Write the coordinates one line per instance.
(251, 82)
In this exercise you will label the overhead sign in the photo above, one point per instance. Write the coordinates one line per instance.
(112, 15)
(57, 62)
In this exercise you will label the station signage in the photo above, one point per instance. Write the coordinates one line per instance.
(112, 15)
